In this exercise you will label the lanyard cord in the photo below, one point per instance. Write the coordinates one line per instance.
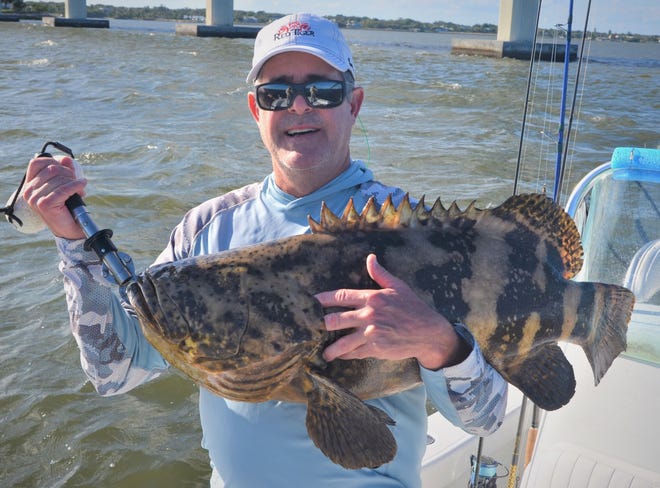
(9, 209)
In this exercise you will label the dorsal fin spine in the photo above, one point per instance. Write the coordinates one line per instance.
(369, 215)
(420, 215)
(405, 211)
(329, 221)
(350, 218)
(438, 211)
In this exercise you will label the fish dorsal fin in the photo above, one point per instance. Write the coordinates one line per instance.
(534, 212)
(388, 217)
(539, 214)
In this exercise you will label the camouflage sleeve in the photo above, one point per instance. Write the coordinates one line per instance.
(113, 352)
(471, 395)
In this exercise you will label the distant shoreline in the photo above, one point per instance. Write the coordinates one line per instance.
(37, 10)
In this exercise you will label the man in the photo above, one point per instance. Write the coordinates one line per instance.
(305, 104)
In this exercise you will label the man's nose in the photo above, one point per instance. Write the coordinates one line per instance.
(299, 104)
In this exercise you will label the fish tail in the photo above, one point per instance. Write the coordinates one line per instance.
(606, 326)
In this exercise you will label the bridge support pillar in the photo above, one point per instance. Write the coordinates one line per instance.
(75, 9)
(220, 12)
(515, 36)
(75, 15)
(219, 23)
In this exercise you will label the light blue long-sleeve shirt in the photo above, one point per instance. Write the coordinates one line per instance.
(266, 444)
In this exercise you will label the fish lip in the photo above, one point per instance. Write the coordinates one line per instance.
(143, 294)
(138, 298)
(134, 292)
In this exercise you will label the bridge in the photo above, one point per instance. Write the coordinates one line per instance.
(515, 32)
(219, 20)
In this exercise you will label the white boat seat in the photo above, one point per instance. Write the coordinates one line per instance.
(572, 466)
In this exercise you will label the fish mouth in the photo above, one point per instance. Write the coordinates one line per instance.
(146, 300)
(140, 295)
(136, 297)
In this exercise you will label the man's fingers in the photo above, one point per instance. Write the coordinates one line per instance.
(343, 298)
(350, 346)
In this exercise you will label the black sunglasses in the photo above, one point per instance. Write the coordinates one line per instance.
(317, 94)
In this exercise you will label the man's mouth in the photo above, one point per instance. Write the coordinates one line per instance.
(298, 132)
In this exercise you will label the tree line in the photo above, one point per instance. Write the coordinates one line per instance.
(240, 17)
(261, 17)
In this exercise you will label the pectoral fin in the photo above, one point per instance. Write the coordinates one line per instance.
(347, 430)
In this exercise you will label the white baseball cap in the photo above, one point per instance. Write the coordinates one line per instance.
(305, 33)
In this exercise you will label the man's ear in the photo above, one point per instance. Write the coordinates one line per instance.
(357, 97)
(252, 105)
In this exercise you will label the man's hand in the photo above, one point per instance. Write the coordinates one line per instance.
(390, 323)
(48, 184)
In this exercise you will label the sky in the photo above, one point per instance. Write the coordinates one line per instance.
(620, 16)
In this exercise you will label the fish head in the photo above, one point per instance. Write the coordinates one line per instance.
(190, 314)
(224, 314)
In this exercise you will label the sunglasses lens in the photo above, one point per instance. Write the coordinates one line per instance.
(274, 96)
(324, 94)
(318, 94)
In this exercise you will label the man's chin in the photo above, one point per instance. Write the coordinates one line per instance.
(301, 163)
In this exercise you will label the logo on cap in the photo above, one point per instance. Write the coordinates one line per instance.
(294, 28)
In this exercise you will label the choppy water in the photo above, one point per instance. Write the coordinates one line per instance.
(160, 124)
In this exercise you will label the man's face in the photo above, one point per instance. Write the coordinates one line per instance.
(309, 146)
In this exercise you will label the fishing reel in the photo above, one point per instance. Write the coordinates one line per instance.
(488, 476)
(23, 218)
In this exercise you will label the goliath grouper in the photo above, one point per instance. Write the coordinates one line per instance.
(245, 324)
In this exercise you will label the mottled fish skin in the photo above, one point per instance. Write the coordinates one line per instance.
(244, 323)
(252, 320)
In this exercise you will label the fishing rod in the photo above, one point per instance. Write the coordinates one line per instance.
(575, 91)
(523, 125)
(532, 434)
(562, 112)
(513, 472)
(98, 240)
